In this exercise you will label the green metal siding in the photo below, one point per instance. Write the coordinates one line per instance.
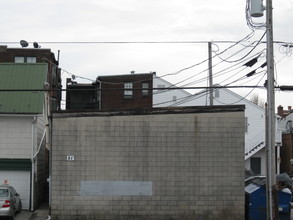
(15, 164)
(22, 76)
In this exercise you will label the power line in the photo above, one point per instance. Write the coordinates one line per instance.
(206, 92)
(111, 89)
(124, 42)
(257, 43)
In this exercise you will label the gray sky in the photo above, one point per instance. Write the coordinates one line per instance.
(152, 20)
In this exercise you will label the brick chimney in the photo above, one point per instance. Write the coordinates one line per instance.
(289, 108)
(280, 110)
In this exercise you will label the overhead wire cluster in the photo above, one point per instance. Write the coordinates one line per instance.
(239, 65)
(233, 73)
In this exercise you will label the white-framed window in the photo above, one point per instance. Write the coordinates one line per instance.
(31, 59)
(145, 88)
(25, 59)
(19, 59)
(128, 92)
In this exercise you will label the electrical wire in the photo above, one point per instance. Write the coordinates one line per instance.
(238, 42)
(120, 42)
(256, 75)
(253, 48)
(217, 74)
(244, 97)
(197, 64)
(76, 76)
(205, 93)
(226, 70)
(218, 55)
(186, 68)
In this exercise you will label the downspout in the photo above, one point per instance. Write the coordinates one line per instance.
(33, 166)
(48, 144)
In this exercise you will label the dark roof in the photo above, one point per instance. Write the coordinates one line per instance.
(151, 111)
(24, 76)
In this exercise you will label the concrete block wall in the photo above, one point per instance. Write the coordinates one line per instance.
(173, 166)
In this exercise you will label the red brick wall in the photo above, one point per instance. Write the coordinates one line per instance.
(286, 153)
(112, 92)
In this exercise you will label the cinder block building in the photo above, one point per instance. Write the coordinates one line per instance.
(165, 163)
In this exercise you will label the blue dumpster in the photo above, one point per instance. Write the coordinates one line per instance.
(255, 203)
(284, 205)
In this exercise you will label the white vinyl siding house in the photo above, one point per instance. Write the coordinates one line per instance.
(163, 97)
(22, 131)
(254, 115)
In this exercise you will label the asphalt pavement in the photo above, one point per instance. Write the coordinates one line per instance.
(41, 213)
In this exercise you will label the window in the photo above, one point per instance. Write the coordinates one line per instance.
(19, 59)
(246, 124)
(25, 59)
(174, 98)
(4, 193)
(128, 92)
(145, 89)
(255, 165)
(31, 59)
(217, 93)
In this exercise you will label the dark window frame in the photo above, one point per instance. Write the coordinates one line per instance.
(128, 90)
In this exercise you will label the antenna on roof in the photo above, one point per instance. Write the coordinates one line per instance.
(23, 43)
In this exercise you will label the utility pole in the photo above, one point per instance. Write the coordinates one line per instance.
(211, 92)
(257, 9)
(271, 169)
(271, 107)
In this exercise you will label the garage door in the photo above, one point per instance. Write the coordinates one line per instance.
(20, 180)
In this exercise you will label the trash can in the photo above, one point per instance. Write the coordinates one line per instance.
(255, 203)
(284, 205)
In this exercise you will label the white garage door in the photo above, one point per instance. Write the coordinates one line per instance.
(20, 180)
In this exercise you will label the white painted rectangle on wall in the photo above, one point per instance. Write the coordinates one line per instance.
(116, 188)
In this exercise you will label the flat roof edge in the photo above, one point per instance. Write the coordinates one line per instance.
(150, 111)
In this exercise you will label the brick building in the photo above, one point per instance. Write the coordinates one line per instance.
(37, 55)
(114, 92)
(82, 96)
(126, 91)
(285, 123)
